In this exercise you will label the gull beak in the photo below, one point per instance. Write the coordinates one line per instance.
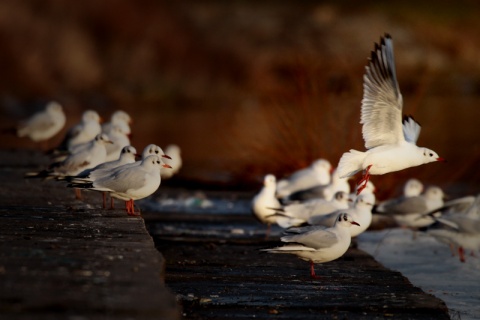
(441, 159)
(166, 166)
(355, 223)
(165, 156)
(137, 156)
(109, 141)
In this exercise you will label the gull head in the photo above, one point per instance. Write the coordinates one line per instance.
(102, 138)
(431, 156)
(270, 181)
(345, 220)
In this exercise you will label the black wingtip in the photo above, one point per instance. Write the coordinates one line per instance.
(406, 117)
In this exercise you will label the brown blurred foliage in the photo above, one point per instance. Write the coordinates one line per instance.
(248, 88)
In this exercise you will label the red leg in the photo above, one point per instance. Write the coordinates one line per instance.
(78, 194)
(112, 202)
(127, 206)
(104, 198)
(312, 271)
(461, 254)
(133, 213)
(363, 182)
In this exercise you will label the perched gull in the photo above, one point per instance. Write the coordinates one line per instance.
(297, 213)
(174, 152)
(89, 157)
(391, 146)
(410, 211)
(265, 202)
(326, 192)
(127, 155)
(412, 188)
(119, 118)
(460, 227)
(361, 212)
(86, 130)
(119, 137)
(43, 125)
(318, 173)
(317, 244)
(129, 183)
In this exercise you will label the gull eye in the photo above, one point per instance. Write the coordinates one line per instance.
(156, 151)
(431, 154)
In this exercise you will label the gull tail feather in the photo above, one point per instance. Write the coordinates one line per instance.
(350, 163)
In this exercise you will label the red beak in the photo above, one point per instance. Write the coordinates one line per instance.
(441, 160)
(166, 166)
(355, 223)
(165, 156)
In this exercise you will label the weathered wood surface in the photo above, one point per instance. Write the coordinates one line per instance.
(215, 266)
(67, 259)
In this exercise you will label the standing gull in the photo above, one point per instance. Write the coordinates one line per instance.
(391, 145)
(318, 173)
(317, 244)
(129, 183)
(265, 202)
(43, 125)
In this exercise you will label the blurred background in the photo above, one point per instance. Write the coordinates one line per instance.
(247, 88)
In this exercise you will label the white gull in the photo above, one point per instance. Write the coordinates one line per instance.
(391, 146)
(318, 244)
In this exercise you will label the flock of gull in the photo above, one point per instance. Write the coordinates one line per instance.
(99, 157)
(315, 205)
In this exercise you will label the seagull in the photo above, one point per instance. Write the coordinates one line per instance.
(412, 188)
(129, 183)
(118, 118)
(318, 173)
(460, 227)
(360, 212)
(119, 137)
(318, 244)
(43, 125)
(176, 162)
(297, 213)
(391, 145)
(84, 131)
(410, 211)
(89, 157)
(127, 155)
(265, 202)
(326, 192)
(150, 149)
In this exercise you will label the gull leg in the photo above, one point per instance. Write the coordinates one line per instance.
(363, 182)
(312, 271)
(104, 198)
(78, 194)
(112, 202)
(133, 209)
(461, 254)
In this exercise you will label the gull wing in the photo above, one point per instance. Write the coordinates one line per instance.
(381, 112)
(411, 129)
(314, 238)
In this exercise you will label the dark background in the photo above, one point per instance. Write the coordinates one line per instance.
(248, 88)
